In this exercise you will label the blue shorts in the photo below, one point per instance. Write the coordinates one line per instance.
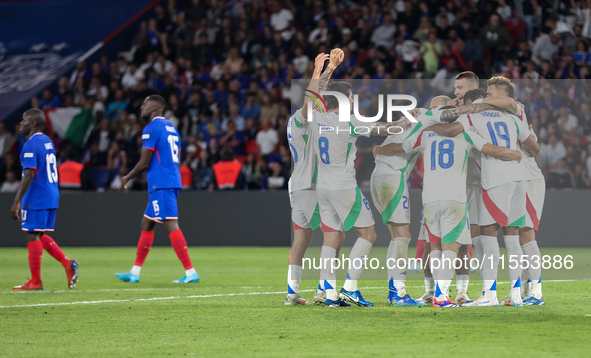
(162, 205)
(38, 220)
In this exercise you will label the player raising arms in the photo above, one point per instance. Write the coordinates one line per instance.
(342, 205)
(161, 138)
(302, 183)
(37, 200)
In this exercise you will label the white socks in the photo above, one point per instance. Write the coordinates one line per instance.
(294, 278)
(190, 272)
(514, 251)
(490, 265)
(135, 270)
(329, 278)
(429, 285)
(462, 282)
(531, 250)
(445, 274)
(358, 252)
(398, 249)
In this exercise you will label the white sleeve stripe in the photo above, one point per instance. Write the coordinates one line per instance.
(28, 155)
(145, 136)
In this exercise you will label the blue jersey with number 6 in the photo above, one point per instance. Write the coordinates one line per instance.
(162, 137)
(39, 154)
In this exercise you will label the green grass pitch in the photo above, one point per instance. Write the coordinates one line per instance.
(237, 310)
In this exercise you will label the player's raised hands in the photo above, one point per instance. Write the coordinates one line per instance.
(336, 57)
(320, 60)
(15, 210)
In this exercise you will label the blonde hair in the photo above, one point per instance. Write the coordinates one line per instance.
(503, 84)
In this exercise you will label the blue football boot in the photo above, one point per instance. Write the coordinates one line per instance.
(193, 278)
(128, 277)
(354, 297)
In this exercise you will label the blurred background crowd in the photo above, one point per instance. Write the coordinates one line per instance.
(229, 71)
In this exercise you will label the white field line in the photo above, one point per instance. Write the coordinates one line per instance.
(202, 296)
(234, 287)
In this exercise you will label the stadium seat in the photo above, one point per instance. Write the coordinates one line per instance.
(252, 147)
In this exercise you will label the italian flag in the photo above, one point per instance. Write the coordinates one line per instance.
(73, 124)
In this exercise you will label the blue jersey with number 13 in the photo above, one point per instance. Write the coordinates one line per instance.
(39, 154)
(162, 137)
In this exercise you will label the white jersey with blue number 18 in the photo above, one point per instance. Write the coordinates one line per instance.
(444, 161)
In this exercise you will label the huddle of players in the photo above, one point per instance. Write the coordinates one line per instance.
(457, 203)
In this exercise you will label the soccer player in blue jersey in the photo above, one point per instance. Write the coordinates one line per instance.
(160, 156)
(37, 200)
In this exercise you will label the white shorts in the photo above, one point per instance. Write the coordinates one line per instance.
(504, 205)
(342, 210)
(447, 222)
(536, 192)
(474, 195)
(390, 194)
(304, 209)
(423, 235)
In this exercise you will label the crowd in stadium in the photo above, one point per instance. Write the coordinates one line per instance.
(227, 71)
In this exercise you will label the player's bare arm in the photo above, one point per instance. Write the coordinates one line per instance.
(388, 149)
(313, 86)
(450, 115)
(336, 58)
(446, 129)
(506, 103)
(501, 153)
(139, 168)
(532, 145)
(25, 183)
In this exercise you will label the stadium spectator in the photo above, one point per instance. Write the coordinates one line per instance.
(227, 171)
(11, 184)
(71, 173)
(552, 152)
(233, 139)
(10, 165)
(267, 138)
(235, 117)
(6, 139)
(48, 100)
(383, 35)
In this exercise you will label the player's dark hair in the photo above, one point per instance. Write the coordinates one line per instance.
(158, 100)
(469, 76)
(473, 95)
(341, 87)
(227, 155)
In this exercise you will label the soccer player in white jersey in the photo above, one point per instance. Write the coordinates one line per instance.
(463, 83)
(444, 197)
(503, 192)
(302, 183)
(535, 194)
(342, 205)
(389, 191)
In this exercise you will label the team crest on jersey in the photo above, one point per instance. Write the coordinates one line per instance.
(325, 128)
